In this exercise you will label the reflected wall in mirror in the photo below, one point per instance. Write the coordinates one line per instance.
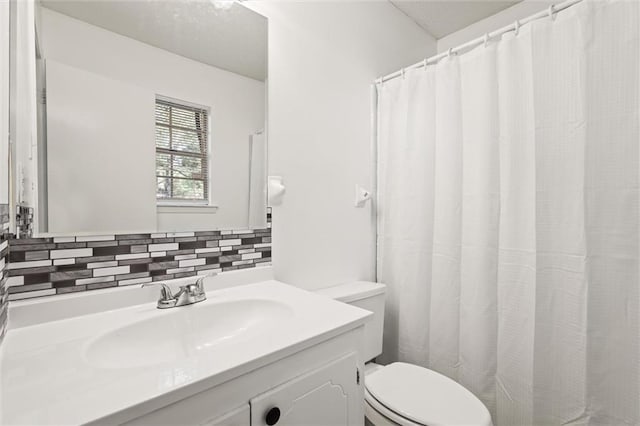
(5, 35)
(150, 116)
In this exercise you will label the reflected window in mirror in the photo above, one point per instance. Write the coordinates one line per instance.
(182, 152)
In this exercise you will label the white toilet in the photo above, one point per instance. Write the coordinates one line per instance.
(400, 393)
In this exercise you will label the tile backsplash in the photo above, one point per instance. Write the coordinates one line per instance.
(59, 265)
(4, 253)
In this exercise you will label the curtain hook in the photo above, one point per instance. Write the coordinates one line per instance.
(449, 53)
(402, 73)
(552, 12)
(486, 39)
(516, 27)
(425, 64)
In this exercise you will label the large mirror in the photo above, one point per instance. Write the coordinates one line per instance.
(150, 116)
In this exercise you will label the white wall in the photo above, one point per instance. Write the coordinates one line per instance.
(4, 101)
(323, 57)
(237, 103)
(508, 16)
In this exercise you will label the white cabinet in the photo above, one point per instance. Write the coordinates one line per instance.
(238, 417)
(319, 385)
(326, 396)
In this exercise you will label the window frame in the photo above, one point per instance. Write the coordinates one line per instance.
(177, 202)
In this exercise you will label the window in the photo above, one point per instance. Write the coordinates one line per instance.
(182, 135)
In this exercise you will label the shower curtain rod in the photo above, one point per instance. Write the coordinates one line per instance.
(553, 9)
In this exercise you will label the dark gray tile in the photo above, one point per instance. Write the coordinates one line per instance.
(31, 241)
(131, 276)
(185, 274)
(31, 271)
(17, 256)
(135, 261)
(71, 289)
(180, 252)
(96, 286)
(30, 247)
(36, 279)
(36, 255)
(70, 275)
(61, 284)
(134, 242)
(70, 245)
(210, 238)
(106, 251)
(247, 266)
(214, 254)
(162, 240)
(102, 243)
(193, 245)
(93, 259)
(229, 268)
(138, 267)
(243, 247)
(132, 236)
(253, 240)
(185, 239)
(206, 267)
(163, 277)
(207, 233)
(26, 288)
(163, 265)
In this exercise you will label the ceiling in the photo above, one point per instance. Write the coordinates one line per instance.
(223, 34)
(443, 17)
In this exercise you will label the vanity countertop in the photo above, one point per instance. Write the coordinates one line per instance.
(48, 378)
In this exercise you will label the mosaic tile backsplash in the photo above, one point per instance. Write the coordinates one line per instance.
(4, 253)
(48, 266)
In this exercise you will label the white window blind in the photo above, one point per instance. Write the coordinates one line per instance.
(182, 137)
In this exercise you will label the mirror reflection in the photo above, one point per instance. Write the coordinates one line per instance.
(151, 116)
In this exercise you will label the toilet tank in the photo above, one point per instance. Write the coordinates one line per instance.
(366, 295)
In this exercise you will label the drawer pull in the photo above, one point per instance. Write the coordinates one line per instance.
(272, 417)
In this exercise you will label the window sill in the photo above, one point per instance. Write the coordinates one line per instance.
(186, 208)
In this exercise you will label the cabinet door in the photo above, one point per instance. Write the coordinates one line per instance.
(330, 395)
(238, 417)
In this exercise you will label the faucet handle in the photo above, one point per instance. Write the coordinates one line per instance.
(165, 291)
(200, 281)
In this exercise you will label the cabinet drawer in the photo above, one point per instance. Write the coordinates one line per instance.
(329, 395)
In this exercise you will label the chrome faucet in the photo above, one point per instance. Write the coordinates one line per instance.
(186, 295)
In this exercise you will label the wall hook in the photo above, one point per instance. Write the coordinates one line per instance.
(362, 196)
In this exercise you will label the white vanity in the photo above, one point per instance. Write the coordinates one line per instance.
(257, 354)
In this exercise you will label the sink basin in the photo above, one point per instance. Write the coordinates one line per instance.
(183, 332)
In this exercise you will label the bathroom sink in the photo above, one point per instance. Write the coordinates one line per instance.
(183, 332)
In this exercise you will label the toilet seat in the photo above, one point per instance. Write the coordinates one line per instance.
(379, 415)
(408, 394)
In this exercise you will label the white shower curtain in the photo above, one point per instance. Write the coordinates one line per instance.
(509, 218)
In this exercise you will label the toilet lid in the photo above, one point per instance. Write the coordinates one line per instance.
(424, 396)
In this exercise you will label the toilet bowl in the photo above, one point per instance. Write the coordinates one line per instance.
(402, 393)
(406, 394)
